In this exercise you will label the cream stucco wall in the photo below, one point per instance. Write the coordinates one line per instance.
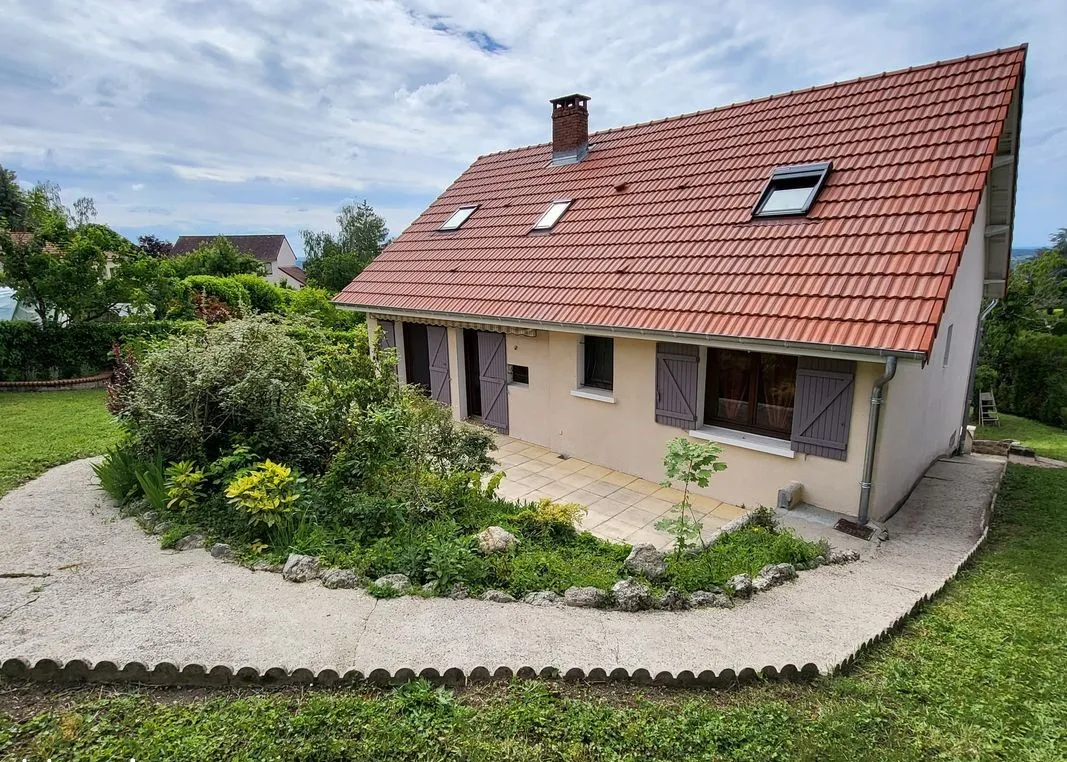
(286, 258)
(924, 405)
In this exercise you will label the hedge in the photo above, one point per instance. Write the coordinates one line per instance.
(263, 295)
(228, 290)
(29, 352)
(1032, 379)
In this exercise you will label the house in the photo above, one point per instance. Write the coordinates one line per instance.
(273, 251)
(798, 278)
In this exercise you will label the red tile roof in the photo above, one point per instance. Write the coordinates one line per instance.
(660, 235)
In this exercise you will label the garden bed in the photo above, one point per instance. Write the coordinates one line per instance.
(309, 458)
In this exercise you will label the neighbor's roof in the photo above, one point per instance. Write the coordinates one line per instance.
(265, 248)
(295, 273)
(660, 235)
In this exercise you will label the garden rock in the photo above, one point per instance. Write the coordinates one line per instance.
(776, 574)
(162, 527)
(585, 597)
(266, 566)
(396, 581)
(191, 542)
(838, 556)
(631, 596)
(460, 592)
(646, 561)
(339, 579)
(496, 540)
(543, 598)
(497, 596)
(714, 599)
(741, 585)
(299, 568)
(673, 600)
(222, 551)
(148, 520)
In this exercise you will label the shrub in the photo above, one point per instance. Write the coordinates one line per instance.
(263, 296)
(267, 494)
(450, 561)
(184, 485)
(227, 290)
(239, 383)
(314, 303)
(152, 481)
(121, 382)
(117, 473)
(30, 352)
(1033, 383)
(547, 518)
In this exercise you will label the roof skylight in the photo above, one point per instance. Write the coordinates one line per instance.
(551, 216)
(458, 217)
(791, 190)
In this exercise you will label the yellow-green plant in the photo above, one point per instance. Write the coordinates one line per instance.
(267, 493)
(184, 482)
(548, 518)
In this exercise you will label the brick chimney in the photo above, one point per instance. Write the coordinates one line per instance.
(570, 128)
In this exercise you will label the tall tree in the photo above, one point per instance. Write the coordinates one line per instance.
(333, 260)
(84, 211)
(12, 201)
(154, 247)
(220, 257)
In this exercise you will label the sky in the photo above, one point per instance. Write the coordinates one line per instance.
(226, 116)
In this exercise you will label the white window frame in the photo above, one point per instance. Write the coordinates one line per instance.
(543, 223)
(470, 209)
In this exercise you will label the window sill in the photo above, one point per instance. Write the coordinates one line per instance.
(591, 393)
(745, 440)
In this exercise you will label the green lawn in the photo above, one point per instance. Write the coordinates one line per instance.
(1049, 441)
(979, 675)
(39, 430)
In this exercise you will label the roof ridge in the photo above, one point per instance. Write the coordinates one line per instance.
(1024, 46)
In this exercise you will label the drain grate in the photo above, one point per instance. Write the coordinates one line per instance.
(854, 529)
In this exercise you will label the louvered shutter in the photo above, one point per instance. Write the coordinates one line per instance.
(493, 379)
(676, 384)
(822, 407)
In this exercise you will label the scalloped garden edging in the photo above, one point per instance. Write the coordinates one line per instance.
(84, 382)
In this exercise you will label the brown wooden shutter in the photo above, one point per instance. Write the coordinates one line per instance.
(822, 408)
(440, 378)
(676, 384)
(493, 379)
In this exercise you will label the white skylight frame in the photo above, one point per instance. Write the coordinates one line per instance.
(458, 217)
(791, 190)
(552, 215)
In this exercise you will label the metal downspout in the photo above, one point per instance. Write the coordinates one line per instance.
(877, 398)
(974, 370)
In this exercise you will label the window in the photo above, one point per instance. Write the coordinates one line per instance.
(750, 391)
(791, 190)
(458, 218)
(518, 374)
(598, 362)
(551, 217)
(948, 347)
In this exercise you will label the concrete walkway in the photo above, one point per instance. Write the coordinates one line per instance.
(105, 591)
(621, 507)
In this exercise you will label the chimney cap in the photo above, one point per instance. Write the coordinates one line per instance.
(570, 100)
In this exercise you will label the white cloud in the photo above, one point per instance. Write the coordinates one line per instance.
(233, 107)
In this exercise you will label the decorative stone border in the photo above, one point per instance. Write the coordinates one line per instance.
(84, 382)
(78, 671)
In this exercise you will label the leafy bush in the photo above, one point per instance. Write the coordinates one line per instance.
(450, 561)
(227, 290)
(263, 295)
(314, 303)
(117, 474)
(218, 258)
(1033, 381)
(243, 380)
(547, 518)
(267, 494)
(30, 352)
(184, 485)
(153, 482)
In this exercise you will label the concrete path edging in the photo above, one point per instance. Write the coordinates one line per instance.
(168, 609)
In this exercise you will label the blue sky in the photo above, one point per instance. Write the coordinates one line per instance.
(204, 116)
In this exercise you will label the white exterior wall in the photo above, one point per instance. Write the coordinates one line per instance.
(286, 258)
(924, 405)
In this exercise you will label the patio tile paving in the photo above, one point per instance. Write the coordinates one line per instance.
(621, 506)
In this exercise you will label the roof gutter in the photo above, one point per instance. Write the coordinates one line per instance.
(795, 347)
(877, 399)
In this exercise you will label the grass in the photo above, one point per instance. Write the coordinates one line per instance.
(39, 430)
(1048, 441)
(978, 675)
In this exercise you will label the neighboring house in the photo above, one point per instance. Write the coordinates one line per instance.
(757, 275)
(273, 251)
(10, 309)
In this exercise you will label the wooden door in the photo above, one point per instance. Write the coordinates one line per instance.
(493, 379)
